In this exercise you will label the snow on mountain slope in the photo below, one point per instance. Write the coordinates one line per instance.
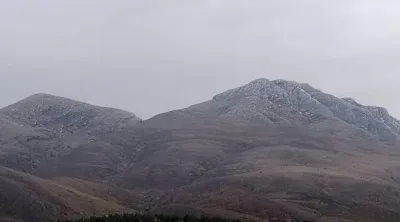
(282, 102)
(62, 114)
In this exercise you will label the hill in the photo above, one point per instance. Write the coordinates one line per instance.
(28, 198)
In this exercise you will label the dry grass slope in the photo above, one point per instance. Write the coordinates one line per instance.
(35, 199)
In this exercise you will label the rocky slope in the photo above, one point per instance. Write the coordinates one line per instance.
(62, 114)
(282, 102)
(42, 133)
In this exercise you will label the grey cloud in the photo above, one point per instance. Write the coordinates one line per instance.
(154, 56)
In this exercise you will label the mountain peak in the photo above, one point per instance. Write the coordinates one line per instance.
(45, 110)
(260, 81)
(43, 99)
(288, 102)
(276, 81)
(46, 97)
(41, 95)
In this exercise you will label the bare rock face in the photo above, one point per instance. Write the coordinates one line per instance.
(282, 102)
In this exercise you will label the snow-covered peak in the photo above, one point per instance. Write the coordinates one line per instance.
(262, 88)
(282, 102)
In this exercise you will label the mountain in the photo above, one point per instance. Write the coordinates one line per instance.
(61, 114)
(42, 133)
(282, 102)
(269, 151)
(43, 137)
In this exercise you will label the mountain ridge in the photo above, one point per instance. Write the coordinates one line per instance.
(275, 150)
(281, 102)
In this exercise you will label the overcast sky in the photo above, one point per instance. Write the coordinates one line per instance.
(154, 56)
